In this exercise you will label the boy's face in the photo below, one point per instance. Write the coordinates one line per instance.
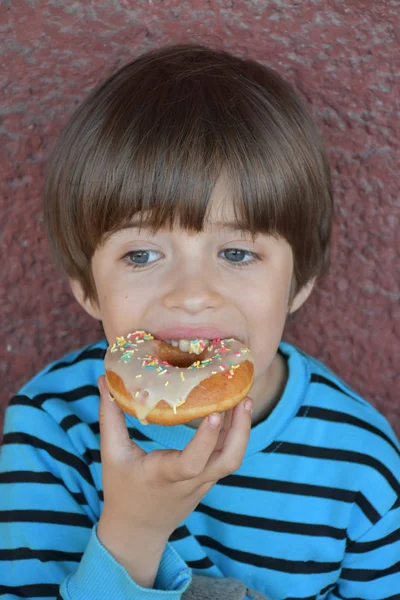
(209, 279)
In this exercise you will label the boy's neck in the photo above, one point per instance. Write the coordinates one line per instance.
(267, 391)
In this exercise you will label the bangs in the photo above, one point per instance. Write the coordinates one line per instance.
(153, 140)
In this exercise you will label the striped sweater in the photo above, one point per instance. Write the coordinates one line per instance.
(312, 513)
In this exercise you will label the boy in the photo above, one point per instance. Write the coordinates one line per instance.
(190, 194)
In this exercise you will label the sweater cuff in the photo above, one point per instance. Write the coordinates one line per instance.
(100, 576)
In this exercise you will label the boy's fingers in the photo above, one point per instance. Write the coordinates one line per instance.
(230, 458)
(191, 461)
(114, 437)
(226, 423)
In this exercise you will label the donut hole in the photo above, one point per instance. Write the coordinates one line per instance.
(176, 358)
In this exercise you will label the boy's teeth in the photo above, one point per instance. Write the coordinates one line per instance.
(184, 345)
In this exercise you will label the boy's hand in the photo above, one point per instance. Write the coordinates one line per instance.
(147, 495)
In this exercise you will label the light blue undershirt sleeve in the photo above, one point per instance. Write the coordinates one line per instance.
(100, 576)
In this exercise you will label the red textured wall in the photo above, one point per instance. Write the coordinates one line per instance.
(341, 55)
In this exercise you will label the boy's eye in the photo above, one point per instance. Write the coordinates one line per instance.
(236, 255)
(137, 258)
(140, 258)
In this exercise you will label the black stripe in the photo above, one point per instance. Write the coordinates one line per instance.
(69, 422)
(366, 507)
(202, 563)
(328, 588)
(73, 395)
(45, 478)
(95, 427)
(315, 378)
(305, 567)
(302, 489)
(42, 555)
(58, 453)
(45, 516)
(138, 436)
(72, 420)
(339, 595)
(29, 477)
(88, 354)
(369, 574)
(179, 533)
(360, 547)
(287, 487)
(302, 597)
(272, 524)
(39, 477)
(36, 590)
(325, 414)
(92, 455)
(134, 434)
(321, 453)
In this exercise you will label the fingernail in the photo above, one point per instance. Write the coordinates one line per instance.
(214, 419)
(249, 405)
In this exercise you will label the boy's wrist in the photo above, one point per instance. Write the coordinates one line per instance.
(137, 550)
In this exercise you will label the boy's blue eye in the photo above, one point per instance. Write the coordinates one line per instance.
(235, 254)
(140, 256)
(138, 259)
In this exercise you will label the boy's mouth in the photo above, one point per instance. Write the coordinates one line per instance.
(190, 338)
(195, 346)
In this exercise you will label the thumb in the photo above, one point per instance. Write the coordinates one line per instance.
(114, 437)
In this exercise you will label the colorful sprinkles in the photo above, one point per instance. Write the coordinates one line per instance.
(129, 345)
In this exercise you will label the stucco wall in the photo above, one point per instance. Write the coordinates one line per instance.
(342, 58)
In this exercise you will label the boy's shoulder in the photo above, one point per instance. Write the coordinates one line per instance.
(336, 427)
(78, 369)
(329, 398)
(51, 426)
(62, 394)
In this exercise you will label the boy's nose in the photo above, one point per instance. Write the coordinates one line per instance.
(193, 294)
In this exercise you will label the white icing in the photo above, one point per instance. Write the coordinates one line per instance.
(145, 379)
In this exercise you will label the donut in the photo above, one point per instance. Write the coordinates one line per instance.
(158, 383)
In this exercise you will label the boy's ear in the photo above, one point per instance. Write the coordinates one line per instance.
(89, 305)
(301, 296)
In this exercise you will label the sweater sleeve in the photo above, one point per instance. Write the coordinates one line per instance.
(48, 518)
(371, 567)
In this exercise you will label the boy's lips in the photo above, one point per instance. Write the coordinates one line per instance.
(191, 333)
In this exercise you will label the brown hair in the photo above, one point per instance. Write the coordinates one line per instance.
(155, 137)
